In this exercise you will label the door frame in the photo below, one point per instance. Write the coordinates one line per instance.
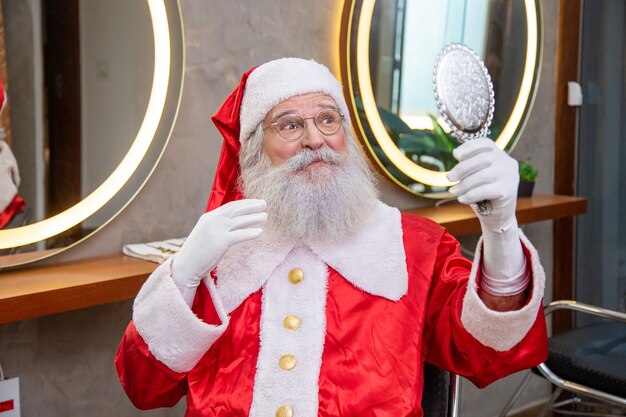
(566, 127)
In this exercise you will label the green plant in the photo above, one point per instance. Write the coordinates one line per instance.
(527, 172)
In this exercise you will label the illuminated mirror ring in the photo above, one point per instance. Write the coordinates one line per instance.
(356, 75)
(155, 111)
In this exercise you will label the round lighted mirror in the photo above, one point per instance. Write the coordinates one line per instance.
(388, 51)
(94, 88)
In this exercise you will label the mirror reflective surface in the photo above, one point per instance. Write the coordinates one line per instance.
(388, 57)
(93, 88)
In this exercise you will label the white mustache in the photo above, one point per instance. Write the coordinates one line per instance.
(308, 156)
(324, 204)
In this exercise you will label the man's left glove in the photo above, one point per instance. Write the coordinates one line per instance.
(485, 172)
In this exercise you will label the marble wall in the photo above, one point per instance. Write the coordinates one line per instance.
(65, 361)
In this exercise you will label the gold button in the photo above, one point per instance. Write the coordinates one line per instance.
(296, 275)
(284, 411)
(291, 322)
(287, 362)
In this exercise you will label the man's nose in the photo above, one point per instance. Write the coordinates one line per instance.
(312, 138)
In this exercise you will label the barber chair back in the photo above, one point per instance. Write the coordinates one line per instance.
(588, 362)
(441, 393)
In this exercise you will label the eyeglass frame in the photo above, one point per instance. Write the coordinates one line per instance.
(304, 119)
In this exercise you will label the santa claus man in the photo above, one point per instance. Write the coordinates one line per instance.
(299, 293)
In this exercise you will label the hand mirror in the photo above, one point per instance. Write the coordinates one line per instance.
(464, 96)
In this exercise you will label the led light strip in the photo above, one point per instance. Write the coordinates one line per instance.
(100, 196)
(408, 167)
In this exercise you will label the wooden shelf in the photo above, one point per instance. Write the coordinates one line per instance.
(460, 220)
(38, 291)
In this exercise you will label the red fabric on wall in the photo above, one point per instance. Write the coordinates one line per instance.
(16, 206)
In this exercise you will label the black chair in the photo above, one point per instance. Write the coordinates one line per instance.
(441, 392)
(588, 362)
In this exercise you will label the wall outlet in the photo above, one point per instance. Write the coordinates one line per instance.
(10, 397)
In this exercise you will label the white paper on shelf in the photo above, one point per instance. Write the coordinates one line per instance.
(154, 251)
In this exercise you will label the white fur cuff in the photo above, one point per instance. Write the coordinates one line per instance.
(502, 330)
(173, 333)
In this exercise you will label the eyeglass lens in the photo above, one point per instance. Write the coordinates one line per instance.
(291, 126)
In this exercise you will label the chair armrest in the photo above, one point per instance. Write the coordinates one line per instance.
(584, 308)
(569, 385)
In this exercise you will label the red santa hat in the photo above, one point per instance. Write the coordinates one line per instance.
(259, 90)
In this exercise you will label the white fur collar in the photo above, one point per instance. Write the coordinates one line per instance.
(373, 260)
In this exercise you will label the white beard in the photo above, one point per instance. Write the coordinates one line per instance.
(326, 202)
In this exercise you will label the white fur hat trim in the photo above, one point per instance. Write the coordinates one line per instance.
(278, 80)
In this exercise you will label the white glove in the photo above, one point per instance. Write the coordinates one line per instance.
(215, 232)
(485, 172)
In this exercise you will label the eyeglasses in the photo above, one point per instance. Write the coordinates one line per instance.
(291, 126)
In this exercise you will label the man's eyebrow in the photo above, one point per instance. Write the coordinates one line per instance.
(281, 113)
(328, 105)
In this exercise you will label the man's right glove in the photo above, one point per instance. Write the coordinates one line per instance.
(215, 232)
(485, 172)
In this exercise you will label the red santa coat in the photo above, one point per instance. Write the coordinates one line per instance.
(369, 311)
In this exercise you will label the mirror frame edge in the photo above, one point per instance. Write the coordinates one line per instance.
(536, 80)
